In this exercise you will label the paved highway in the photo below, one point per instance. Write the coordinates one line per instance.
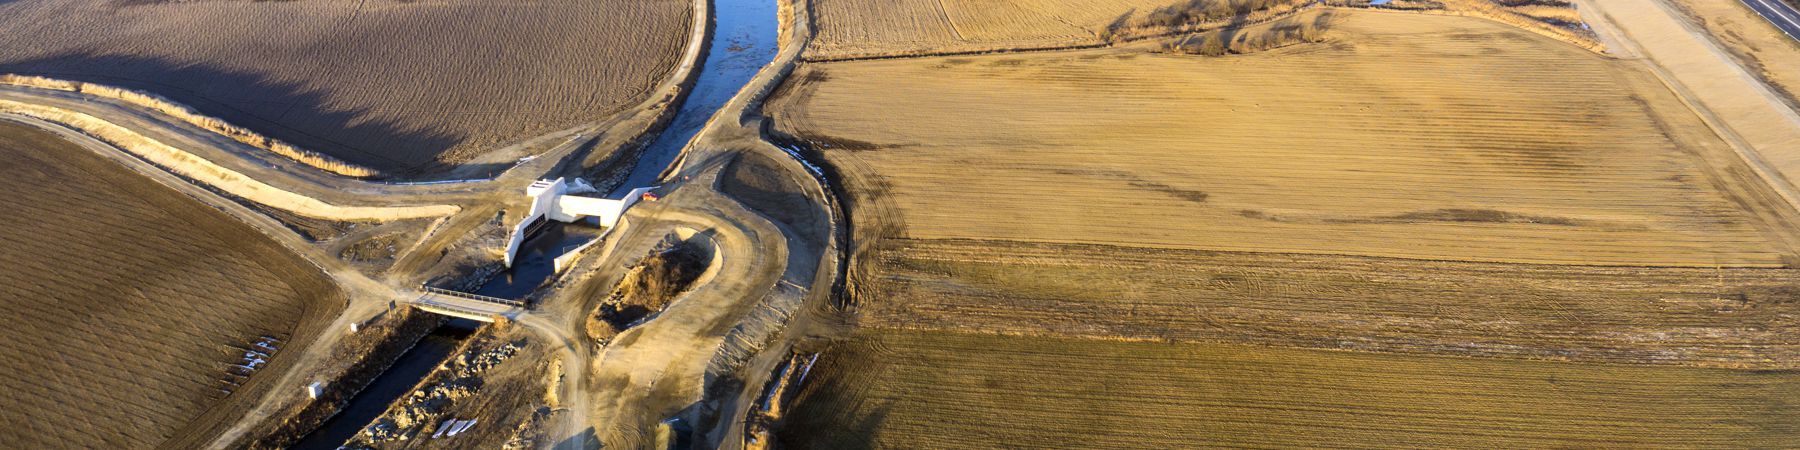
(1779, 13)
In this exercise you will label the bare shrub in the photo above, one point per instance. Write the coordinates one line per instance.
(1553, 18)
(647, 289)
(600, 329)
(1194, 12)
(1289, 31)
(191, 117)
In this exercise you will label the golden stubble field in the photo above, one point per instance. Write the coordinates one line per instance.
(1422, 137)
(896, 389)
(1520, 242)
(399, 86)
(128, 302)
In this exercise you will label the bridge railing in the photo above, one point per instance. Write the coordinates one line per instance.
(454, 311)
(476, 297)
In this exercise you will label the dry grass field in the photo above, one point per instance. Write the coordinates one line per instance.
(1411, 136)
(1525, 244)
(854, 29)
(859, 28)
(1728, 317)
(398, 86)
(934, 390)
(130, 302)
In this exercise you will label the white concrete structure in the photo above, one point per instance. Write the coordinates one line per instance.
(550, 200)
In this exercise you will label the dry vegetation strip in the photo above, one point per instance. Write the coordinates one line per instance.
(854, 29)
(394, 85)
(188, 115)
(1414, 136)
(864, 28)
(888, 389)
(126, 299)
(213, 175)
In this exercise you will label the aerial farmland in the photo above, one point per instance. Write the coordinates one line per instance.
(135, 306)
(1411, 184)
(403, 87)
(844, 224)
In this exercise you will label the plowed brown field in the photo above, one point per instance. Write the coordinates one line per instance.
(125, 300)
(399, 86)
(934, 390)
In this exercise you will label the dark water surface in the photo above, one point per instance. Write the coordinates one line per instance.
(412, 366)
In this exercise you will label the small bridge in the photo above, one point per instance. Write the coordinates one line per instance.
(465, 305)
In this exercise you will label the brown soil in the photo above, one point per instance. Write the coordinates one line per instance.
(399, 86)
(132, 301)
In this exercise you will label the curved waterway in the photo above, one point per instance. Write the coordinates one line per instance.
(743, 41)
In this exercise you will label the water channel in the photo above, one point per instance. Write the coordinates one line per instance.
(406, 372)
(743, 41)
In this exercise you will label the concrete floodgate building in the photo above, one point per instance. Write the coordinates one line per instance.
(551, 200)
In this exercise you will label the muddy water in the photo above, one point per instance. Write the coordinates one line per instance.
(743, 41)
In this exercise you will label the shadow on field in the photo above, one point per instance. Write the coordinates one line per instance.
(858, 430)
(586, 440)
(283, 110)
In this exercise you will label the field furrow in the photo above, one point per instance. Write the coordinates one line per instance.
(126, 299)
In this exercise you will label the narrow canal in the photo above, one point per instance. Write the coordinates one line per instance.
(743, 41)
(400, 378)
